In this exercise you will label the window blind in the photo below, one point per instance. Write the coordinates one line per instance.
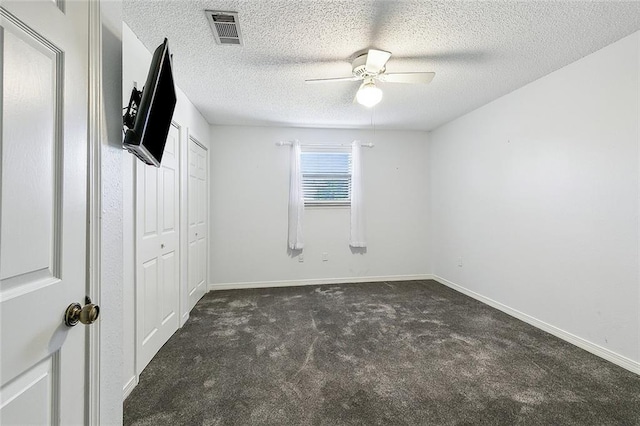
(326, 177)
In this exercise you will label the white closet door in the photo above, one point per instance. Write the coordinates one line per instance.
(198, 221)
(157, 242)
(43, 210)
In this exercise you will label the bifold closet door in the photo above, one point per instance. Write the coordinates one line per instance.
(157, 259)
(198, 221)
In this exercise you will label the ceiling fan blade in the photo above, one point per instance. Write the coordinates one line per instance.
(331, 80)
(376, 60)
(407, 77)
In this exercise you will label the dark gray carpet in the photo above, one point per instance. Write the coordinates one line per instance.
(402, 353)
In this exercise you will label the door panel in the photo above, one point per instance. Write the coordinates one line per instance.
(193, 269)
(29, 396)
(150, 207)
(169, 207)
(170, 285)
(202, 243)
(43, 202)
(157, 274)
(29, 247)
(198, 226)
(150, 284)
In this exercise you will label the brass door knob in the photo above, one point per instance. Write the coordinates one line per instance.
(87, 314)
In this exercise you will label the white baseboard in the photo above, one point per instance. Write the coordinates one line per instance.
(317, 281)
(129, 386)
(588, 346)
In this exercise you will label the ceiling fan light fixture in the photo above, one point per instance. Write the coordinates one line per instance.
(369, 94)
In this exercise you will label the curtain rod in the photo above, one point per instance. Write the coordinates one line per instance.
(323, 145)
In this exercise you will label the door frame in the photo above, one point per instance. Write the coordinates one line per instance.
(95, 128)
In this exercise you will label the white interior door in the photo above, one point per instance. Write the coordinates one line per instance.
(157, 242)
(43, 210)
(198, 221)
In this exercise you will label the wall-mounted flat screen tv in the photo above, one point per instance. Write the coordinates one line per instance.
(149, 113)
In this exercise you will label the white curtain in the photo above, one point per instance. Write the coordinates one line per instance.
(296, 199)
(357, 238)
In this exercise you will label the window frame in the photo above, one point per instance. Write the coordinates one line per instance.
(329, 150)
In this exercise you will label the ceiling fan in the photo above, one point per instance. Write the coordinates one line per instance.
(371, 66)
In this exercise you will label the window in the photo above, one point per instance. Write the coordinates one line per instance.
(326, 177)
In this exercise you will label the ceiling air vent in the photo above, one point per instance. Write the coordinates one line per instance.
(225, 26)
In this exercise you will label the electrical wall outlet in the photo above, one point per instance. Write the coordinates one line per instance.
(325, 257)
(460, 262)
(301, 258)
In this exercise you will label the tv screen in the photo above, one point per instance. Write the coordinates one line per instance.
(147, 137)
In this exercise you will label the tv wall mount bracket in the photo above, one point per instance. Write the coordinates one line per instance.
(129, 117)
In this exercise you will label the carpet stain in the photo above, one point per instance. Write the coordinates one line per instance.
(402, 353)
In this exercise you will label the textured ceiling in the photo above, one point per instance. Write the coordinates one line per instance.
(480, 50)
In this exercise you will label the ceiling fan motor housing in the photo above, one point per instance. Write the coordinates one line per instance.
(359, 67)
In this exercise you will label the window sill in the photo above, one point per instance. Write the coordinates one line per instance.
(321, 206)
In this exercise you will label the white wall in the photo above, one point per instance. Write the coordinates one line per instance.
(110, 298)
(249, 196)
(537, 193)
(135, 65)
